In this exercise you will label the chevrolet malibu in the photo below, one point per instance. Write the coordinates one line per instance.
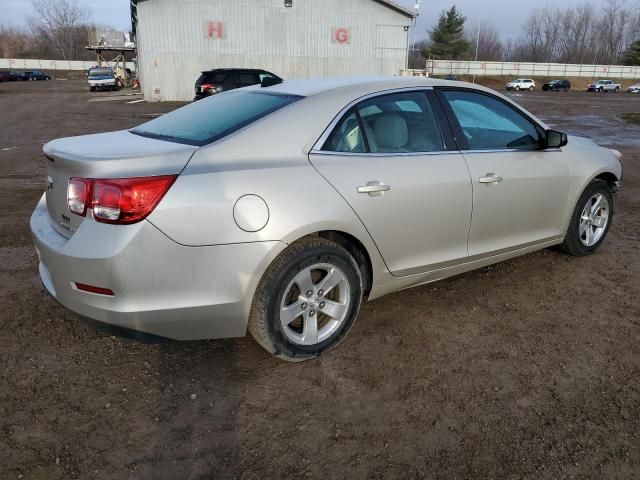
(278, 209)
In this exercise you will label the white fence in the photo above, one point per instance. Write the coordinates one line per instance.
(29, 64)
(521, 69)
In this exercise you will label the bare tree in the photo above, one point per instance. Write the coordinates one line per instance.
(613, 26)
(486, 36)
(578, 35)
(14, 43)
(62, 23)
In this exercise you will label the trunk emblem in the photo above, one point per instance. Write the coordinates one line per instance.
(49, 183)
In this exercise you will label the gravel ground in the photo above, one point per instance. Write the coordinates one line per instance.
(526, 369)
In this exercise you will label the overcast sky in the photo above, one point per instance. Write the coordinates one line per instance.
(507, 16)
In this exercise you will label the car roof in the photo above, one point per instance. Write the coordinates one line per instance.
(316, 86)
(228, 70)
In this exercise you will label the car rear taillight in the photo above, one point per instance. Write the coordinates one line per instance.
(119, 200)
(78, 195)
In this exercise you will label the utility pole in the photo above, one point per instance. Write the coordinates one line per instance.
(477, 47)
(413, 34)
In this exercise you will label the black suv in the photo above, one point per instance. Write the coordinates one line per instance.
(223, 79)
(557, 85)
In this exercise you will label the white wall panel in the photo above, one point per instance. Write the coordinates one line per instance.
(292, 42)
(520, 69)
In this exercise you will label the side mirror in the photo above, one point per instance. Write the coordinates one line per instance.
(556, 139)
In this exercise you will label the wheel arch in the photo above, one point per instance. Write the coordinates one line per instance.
(608, 177)
(357, 250)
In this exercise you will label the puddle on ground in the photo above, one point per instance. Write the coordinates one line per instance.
(602, 130)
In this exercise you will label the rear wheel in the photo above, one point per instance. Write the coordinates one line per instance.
(590, 221)
(307, 300)
(531, 89)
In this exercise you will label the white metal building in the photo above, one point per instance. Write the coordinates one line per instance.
(177, 39)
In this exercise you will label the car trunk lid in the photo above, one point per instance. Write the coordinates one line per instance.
(107, 155)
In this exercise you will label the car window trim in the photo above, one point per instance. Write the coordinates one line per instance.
(447, 146)
(363, 131)
(461, 140)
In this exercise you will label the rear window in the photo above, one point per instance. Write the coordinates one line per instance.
(100, 72)
(211, 119)
(212, 77)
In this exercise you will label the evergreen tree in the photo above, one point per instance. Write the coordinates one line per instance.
(632, 55)
(447, 37)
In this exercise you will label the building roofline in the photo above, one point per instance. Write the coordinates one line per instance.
(392, 4)
(398, 8)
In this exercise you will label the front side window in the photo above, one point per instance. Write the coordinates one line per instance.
(393, 123)
(488, 123)
(245, 79)
(209, 120)
(263, 75)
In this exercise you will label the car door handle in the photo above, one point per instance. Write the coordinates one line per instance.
(490, 178)
(374, 188)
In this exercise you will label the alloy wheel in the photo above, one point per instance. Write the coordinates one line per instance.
(315, 304)
(594, 220)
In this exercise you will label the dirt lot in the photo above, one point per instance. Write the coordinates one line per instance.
(527, 369)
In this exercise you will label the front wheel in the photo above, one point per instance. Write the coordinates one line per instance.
(307, 300)
(590, 221)
(517, 89)
(531, 89)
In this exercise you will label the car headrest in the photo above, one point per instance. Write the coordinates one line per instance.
(391, 132)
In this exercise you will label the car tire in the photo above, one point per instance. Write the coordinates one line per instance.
(577, 241)
(306, 264)
(92, 89)
(531, 89)
(517, 89)
(617, 89)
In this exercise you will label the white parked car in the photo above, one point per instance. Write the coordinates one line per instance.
(634, 88)
(521, 84)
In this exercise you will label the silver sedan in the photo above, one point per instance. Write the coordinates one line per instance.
(278, 209)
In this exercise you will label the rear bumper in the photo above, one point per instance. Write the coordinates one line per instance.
(160, 287)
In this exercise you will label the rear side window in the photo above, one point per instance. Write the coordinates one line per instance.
(209, 120)
(488, 123)
(392, 123)
(347, 136)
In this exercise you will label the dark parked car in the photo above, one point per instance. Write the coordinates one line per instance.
(10, 76)
(557, 85)
(35, 75)
(223, 79)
